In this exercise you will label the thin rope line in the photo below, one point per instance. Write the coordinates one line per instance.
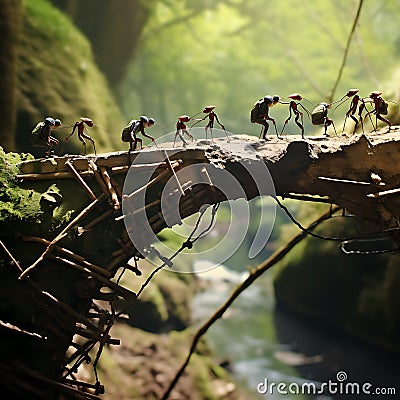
(356, 18)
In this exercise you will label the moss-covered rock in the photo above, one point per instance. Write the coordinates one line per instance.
(358, 294)
(164, 305)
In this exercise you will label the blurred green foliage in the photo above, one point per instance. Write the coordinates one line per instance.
(231, 53)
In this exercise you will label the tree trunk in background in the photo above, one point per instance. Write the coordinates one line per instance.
(113, 28)
(10, 17)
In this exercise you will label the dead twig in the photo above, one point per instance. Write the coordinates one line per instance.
(346, 51)
(81, 182)
(51, 175)
(14, 261)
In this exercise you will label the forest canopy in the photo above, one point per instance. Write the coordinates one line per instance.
(231, 53)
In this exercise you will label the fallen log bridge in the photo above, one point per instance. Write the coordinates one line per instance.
(114, 204)
(359, 173)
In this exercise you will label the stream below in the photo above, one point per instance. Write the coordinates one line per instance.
(268, 347)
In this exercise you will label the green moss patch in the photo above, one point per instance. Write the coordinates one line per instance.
(16, 203)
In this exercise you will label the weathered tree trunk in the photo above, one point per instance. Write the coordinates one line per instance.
(114, 31)
(10, 16)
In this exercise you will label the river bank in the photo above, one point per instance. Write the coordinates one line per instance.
(145, 363)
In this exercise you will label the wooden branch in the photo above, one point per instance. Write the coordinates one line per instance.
(97, 336)
(99, 178)
(64, 307)
(82, 214)
(118, 260)
(61, 235)
(51, 175)
(14, 261)
(123, 169)
(146, 207)
(174, 164)
(139, 166)
(384, 193)
(313, 199)
(324, 169)
(91, 224)
(70, 254)
(340, 180)
(119, 290)
(115, 185)
(172, 170)
(112, 193)
(69, 390)
(81, 182)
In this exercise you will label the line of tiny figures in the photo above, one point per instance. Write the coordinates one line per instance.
(41, 133)
(319, 115)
